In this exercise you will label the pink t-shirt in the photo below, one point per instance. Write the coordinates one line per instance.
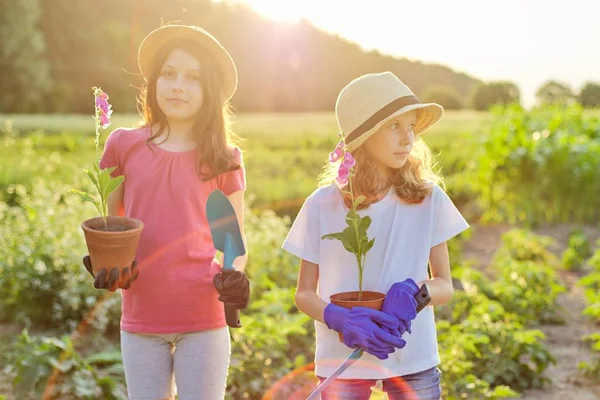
(174, 292)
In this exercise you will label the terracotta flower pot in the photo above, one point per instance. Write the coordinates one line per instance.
(115, 247)
(348, 300)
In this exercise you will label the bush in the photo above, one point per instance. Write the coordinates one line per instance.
(541, 163)
(527, 284)
(591, 283)
(52, 366)
(276, 337)
(578, 250)
(42, 279)
(523, 245)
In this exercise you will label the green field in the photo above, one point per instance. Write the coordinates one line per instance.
(279, 148)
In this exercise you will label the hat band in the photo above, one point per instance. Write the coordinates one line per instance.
(380, 115)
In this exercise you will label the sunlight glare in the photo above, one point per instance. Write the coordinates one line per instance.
(278, 10)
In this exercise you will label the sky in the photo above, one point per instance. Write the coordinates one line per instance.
(524, 41)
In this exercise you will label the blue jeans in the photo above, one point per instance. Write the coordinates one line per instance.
(424, 385)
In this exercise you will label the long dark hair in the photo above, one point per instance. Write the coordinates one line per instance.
(212, 132)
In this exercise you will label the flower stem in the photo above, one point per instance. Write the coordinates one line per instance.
(103, 209)
(359, 258)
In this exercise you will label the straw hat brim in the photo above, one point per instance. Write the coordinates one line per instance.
(427, 115)
(156, 39)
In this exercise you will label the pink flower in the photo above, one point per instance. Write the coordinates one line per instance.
(349, 161)
(102, 102)
(343, 174)
(102, 105)
(338, 152)
(104, 120)
(335, 155)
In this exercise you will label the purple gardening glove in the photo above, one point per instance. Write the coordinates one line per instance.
(400, 302)
(365, 328)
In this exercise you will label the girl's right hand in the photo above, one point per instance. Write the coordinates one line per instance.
(112, 280)
(365, 328)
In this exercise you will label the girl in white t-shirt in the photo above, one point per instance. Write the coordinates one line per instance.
(412, 218)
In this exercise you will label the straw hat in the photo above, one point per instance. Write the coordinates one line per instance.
(156, 39)
(371, 100)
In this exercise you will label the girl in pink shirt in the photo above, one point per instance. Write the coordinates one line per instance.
(173, 329)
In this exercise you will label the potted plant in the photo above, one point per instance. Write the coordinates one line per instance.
(354, 236)
(111, 240)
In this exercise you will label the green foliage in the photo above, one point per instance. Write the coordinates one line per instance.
(486, 349)
(53, 366)
(447, 97)
(554, 92)
(578, 250)
(276, 337)
(298, 72)
(522, 245)
(590, 95)
(527, 284)
(591, 283)
(541, 163)
(25, 77)
(485, 96)
(42, 280)
(530, 290)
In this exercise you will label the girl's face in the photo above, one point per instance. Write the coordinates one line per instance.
(392, 143)
(178, 90)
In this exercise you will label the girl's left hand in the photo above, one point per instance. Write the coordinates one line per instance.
(233, 287)
(400, 302)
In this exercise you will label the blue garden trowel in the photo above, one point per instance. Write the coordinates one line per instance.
(227, 238)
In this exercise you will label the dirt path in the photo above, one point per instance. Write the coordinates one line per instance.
(564, 340)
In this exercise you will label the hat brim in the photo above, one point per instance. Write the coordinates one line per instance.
(156, 39)
(427, 115)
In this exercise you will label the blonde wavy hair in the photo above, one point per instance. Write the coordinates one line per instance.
(412, 183)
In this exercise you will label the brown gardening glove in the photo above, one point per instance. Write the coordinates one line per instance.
(112, 280)
(233, 287)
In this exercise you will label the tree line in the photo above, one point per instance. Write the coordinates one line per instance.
(53, 51)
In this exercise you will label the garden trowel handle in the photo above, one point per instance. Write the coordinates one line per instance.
(232, 314)
(423, 298)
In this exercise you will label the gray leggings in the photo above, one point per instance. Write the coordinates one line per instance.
(195, 363)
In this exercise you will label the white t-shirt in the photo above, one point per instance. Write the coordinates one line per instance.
(404, 234)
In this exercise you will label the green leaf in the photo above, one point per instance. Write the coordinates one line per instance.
(83, 195)
(347, 237)
(352, 218)
(359, 200)
(365, 222)
(26, 380)
(370, 245)
(337, 235)
(104, 180)
(349, 240)
(366, 245)
(113, 185)
(107, 357)
(110, 169)
(93, 179)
